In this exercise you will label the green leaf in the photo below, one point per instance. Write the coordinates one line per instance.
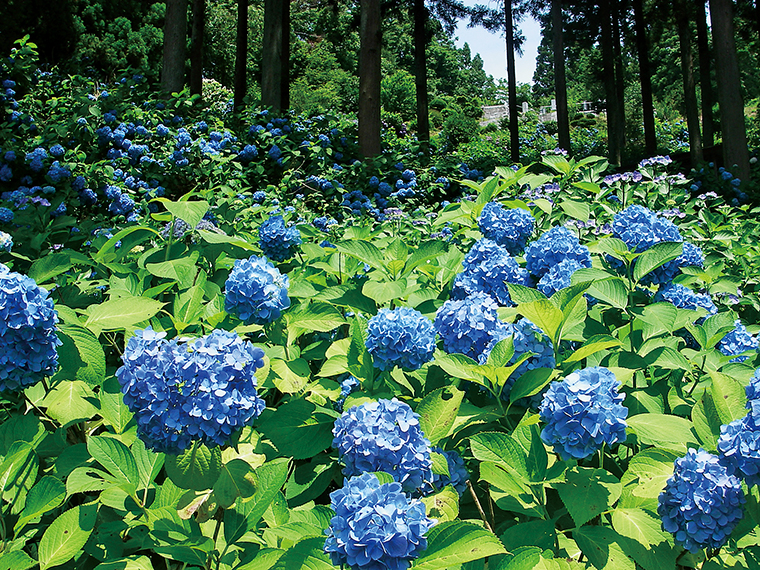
(530, 383)
(298, 429)
(655, 429)
(315, 316)
(310, 480)
(16, 560)
(90, 353)
(182, 270)
(577, 210)
(500, 448)
(359, 358)
(425, 252)
(237, 479)
(646, 542)
(588, 492)
(52, 265)
(190, 212)
(47, 494)
(66, 536)
(115, 457)
(729, 397)
(601, 545)
(196, 469)
(648, 472)
(544, 315)
(290, 377)
(706, 420)
(593, 345)
(121, 313)
(70, 402)
(611, 291)
(383, 291)
(112, 408)
(656, 256)
(214, 237)
(443, 505)
(521, 294)
(457, 542)
(437, 411)
(501, 353)
(129, 563)
(538, 533)
(130, 237)
(149, 463)
(307, 554)
(19, 428)
(364, 251)
(264, 559)
(18, 471)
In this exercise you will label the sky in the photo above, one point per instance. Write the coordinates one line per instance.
(492, 48)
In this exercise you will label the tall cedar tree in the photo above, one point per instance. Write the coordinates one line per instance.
(175, 40)
(735, 150)
(560, 82)
(241, 52)
(705, 81)
(615, 151)
(275, 57)
(645, 78)
(682, 14)
(196, 47)
(369, 78)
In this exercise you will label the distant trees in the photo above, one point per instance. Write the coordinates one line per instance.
(175, 38)
(370, 77)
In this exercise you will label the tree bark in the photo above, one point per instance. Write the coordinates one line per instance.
(732, 125)
(175, 37)
(705, 82)
(617, 44)
(420, 70)
(196, 47)
(645, 77)
(682, 11)
(514, 133)
(241, 54)
(275, 55)
(560, 82)
(614, 151)
(369, 79)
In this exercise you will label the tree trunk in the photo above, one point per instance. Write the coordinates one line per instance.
(275, 54)
(735, 150)
(560, 83)
(175, 36)
(196, 47)
(614, 152)
(369, 79)
(705, 82)
(420, 70)
(241, 53)
(681, 10)
(617, 44)
(645, 77)
(514, 133)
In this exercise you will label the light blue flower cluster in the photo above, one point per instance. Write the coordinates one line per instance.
(347, 387)
(384, 436)
(701, 503)
(375, 527)
(202, 390)
(684, 298)
(255, 291)
(753, 395)
(553, 247)
(641, 228)
(458, 474)
(6, 242)
(583, 412)
(692, 256)
(278, 241)
(558, 277)
(510, 228)
(739, 446)
(488, 270)
(468, 325)
(28, 339)
(400, 337)
(738, 341)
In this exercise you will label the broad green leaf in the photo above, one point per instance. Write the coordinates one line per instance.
(531, 382)
(425, 252)
(437, 411)
(182, 270)
(237, 479)
(440, 464)
(593, 345)
(655, 429)
(538, 533)
(18, 471)
(364, 251)
(129, 238)
(457, 542)
(646, 542)
(121, 313)
(510, 490)
(521, 294)
(359, 358)
(501, 448)
(70, 402)
(16, 560)
(654, 257)
(383, 291)
(115, 457)
(129, 563)
(310, 480)
(298, 428)
(602, 546)
(66, 536)
(501, 353)
(190, 212)
(647, 473)
(149, 463)
(19, 428)
(292, 376)
(443, 505)
(90, 353)
(544, 315)
(264, 559)
(307, 554)
(611, 290)
(460, 366)
(575, 209)
(314, 316)
(214, 237)
(614, 247)
(112, 407)
(46, 268)
(729, 397)
(707, 420)
(588, 492)
(197, 468)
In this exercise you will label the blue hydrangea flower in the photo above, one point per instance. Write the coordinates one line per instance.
(400, 337)
(248, 153)
(258, 197)
(551, 248)
(753, 395)
(468, 325)
(739, 446)
(684, 298)
(384, 436)
(202, 390)
(57, 150)
(558, 277)
(6, 215)
(256, 292)
(347, 387)
(275, 153)
(701, 503)
(510, 228)
(738, 341)
(278, 241)
(583, 412)
(28, 339)
(375, 527)
(6, 242)
(458, 474)
(641, 228)
(692, 256)
(488, 270)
